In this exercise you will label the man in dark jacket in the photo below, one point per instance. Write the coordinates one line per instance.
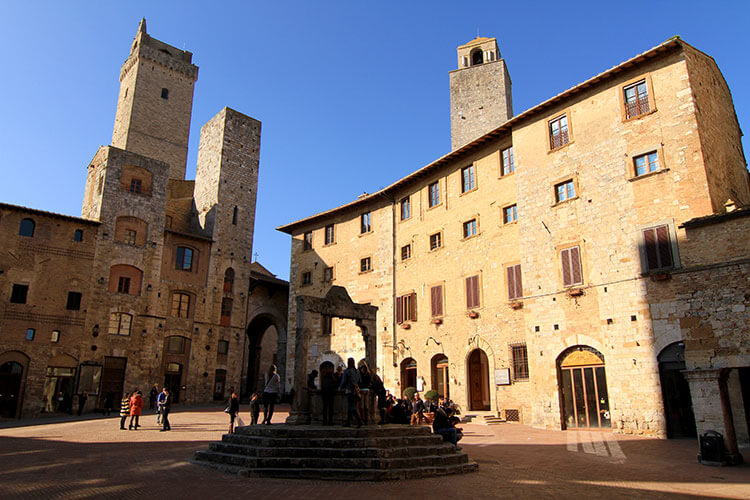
(350, 386)
(165, 400)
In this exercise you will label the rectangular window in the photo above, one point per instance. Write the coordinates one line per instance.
(123, 285)
(327, 274)
(520, 362)
(165, 93)
(571, 266)
(510, 214)
(30, 332)
(326, 324)
(365, 265)
(74, 301)
(19, 293)
(405, 252)
(507, 155)
(565, 191)
(636, 99)
(184, 261)
(100, 185)
(515, 287)
(180, 305)
(130, 237)
(135, 185)
(470, 228)
(472, 292)
(435, 241)
(467, 179)
(307, 278)
(78, 235)
(329, 235)
(436, 301)
(226, 312)
(55, 338)
(558, 132)
(647, 163)
(405, 208)
(433, 191)
(119, 323)
(365, 223)
(658, 248)
(406, 308)
(307, 241)
(223, 347)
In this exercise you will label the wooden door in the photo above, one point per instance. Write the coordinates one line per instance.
(478, 381)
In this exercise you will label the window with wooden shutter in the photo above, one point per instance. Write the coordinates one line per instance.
(472, 292)
(406, 308)
(399, 310)
(413, 307)
(436, 300)
(658, 248)
(515, 287)
(571, 266)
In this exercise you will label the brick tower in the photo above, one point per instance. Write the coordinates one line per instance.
(480, 91)
(155, 102)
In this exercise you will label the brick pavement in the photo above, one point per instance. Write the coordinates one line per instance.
(92, 458)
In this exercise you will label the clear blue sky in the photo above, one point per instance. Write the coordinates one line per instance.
(352, 94)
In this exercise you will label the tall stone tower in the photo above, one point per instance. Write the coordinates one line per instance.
(480, 91)
(155, 102)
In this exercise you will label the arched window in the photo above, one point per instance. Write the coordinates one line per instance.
(27, 228)
(229, 280)
(124, 278)
(176, 345)
(477, 57)
(119, 323)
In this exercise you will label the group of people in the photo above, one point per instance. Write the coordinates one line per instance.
(269, 397)
(132, 406)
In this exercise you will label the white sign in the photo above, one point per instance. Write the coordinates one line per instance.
(502, 376)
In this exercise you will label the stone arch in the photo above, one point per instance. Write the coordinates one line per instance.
(582, 388)
(255, 332)
(409, 367)
(477, 57)
(12, 384)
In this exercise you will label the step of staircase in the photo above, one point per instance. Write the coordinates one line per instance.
(337, 453)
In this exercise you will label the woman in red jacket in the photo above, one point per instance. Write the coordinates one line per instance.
(136, 405)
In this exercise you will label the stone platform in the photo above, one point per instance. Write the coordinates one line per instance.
(371, 453)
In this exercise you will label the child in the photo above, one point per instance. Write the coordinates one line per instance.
(254, 408)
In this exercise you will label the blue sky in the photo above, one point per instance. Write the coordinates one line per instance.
(352, 94)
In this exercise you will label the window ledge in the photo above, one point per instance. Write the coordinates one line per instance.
(625, 119)
(564, 201)
(435, 206)
(437, 321)
(366, 233)
(516, 304)
(574, 292)
(365, 272)
(509, 223)
(650, 174)
(550, 151)
(437, 248)
(479, 233)
(469, 191)
(329, 244)
(473, 314)
(511, 174)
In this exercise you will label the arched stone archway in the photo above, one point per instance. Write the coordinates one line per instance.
(478, 374)
(584, 398)
(678, 404)
(266, 344)
(13, 368)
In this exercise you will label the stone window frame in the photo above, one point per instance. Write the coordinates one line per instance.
(480, 295)
(581, 262)
(222, 347)
(329, 239)
(564, 180)
(440, 240)
(406, 250)
(475, 220)
(365, 223)
(119, 327)
(520, 367)
(365, 265)
(474, 179)
(443, 302)
(307, 241)
(180, 263)
(630, 169)
(27, 227)
(225, 314)
(512, 171)
(182, 310)
(439, 202)
(404, 208)
(504, 212)
(78, 235)
(306, 278)
(172, 347)
(406, 308)
(567, 113)
(331, 270)
(620, 89)
(506, 268)
(673, 244)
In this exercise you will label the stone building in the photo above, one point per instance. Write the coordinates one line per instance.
(550, 268)
(153, 284)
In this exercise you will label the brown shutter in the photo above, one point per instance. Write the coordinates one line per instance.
(413, 307)
(519, 284)
(469, 299)
(472, 292)
(511, 277)
(652, 254)
(399, 310)
(665, 250)
(436, 296)
(565, 255)
(575, 264)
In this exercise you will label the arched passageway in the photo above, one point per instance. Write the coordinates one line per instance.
(263, 341)
(678, 405)
(583, 388)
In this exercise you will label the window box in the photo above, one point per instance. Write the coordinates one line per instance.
(516, 305)
(661, 277)
(473, 314)
(575, 292)
(405, 326)
(437, 321)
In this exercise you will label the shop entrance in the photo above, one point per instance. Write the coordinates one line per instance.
(408, 374)
(583, 389)
(59, 385)
(173, 380)
(440, 375)
(11, 375)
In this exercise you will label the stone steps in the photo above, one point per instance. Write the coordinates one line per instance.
(336, 453)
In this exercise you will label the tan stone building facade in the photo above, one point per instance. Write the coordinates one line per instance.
(544, 269)
(154, 283)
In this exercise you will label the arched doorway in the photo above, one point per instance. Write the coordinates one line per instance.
(263, 346)
(678, 405)
(583, 388)
(59, 384)
(173, 380)
(440, 375)
(11, 376)
(479, 381)
(408, 373)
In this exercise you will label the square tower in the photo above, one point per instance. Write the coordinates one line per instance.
(155, 102)
(480, 91)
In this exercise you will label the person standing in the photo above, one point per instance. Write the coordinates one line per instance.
(124, 410)
(365, 380)
(166, 405)
(82, 397)
(270, 393)
(417, 410)
(152, 398)
(136, 406)
(254, 408)
(328, 386)
(350, 386)
(234, 409)
(160, 399)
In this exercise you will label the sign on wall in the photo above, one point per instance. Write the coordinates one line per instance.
(502, 376)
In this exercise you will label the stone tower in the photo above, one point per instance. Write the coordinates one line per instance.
(480, 91)
(155, 102)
